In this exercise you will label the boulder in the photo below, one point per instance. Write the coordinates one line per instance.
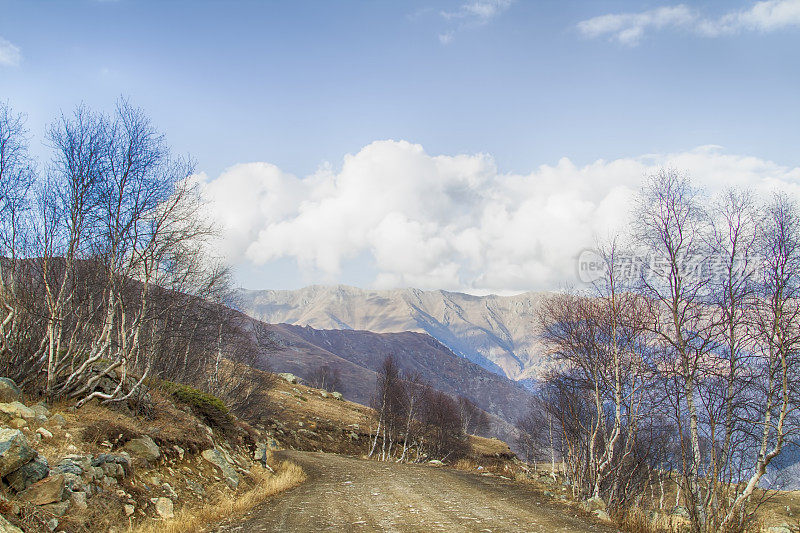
(164, 508)
(291, 378)
(14, 451)
(41, 410)
(594, 503)
(46, 435)
(9, 391)
(74, 464)
(337, 395)
(17, 410)
(783, 528)
(49, 490)
(602, 515)
(28, 474)
(6, 526)
(145, 448)
(18, 423)
(78, 500)
(219, 458)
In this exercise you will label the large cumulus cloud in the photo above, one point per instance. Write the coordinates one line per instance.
(441, 221)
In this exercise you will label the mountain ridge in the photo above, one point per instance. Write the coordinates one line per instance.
(495, 331)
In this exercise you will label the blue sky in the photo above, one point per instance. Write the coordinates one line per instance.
(522, 85)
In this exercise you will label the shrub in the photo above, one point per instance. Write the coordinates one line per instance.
(206, 406)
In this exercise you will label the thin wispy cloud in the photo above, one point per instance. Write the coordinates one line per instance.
(629, 28)
(472, 15)
(10, 55)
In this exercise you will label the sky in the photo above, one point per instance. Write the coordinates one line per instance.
(474, 145)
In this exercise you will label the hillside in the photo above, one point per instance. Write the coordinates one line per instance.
(358, 354)
(496, 332)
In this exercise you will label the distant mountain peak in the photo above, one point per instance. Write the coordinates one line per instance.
(496, 332)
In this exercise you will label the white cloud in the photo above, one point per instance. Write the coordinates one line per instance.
(471, 15)
(10, 55)
(629, 28)
(450, 222)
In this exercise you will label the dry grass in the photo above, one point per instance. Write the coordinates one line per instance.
(188, 520)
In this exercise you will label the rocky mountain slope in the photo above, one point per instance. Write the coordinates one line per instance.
(497, 332)
(357, 355)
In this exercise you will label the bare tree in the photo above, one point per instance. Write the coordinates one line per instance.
(326, 378)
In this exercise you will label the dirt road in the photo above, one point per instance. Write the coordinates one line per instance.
(346, 494)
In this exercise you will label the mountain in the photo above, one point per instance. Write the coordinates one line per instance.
(497, 332)
(357, 355)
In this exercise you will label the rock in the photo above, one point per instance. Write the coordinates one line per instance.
(28, 474)
(167, 488)
(6, 526)
(219, 458)
(129, 509)
(74, 464)
(323, 393)
(46, 435)
(16, 410)
(14, 451)
(78, 500)
(291, 378)
(602, 515)
(165, 508)
(18, 423)
(783, 528)
(9, 391)
(52, 524)
(58, 421)
(594, 504)
(48, 490)
(145, 448)
(337, 395)
(195, 487)
(58, 508)
(435, 462)
(41, 410)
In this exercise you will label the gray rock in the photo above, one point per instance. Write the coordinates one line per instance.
(165, 508)
(78, 500)
(57, 421)
(594, 504)
(6, 526)
(337, 395)
(602, 515)
(145, 448)
(291, 378)
(129, 509)
(783, 528)
(28, 474)
(169, 491)
(14, 451)
(222, 461)
(41, 409)
(9, 391)
(57, 508)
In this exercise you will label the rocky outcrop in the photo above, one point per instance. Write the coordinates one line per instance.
(49, 490)
(28, 474)
(14, 451)
(220, 458)
(145, 448)
(9, 391)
